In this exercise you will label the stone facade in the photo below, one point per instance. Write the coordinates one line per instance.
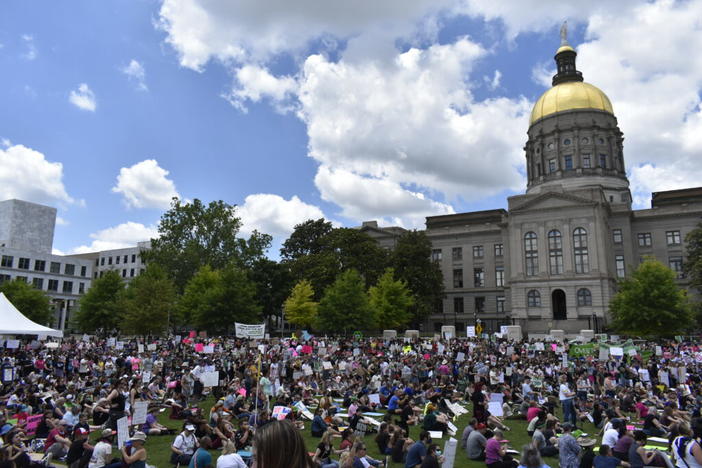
(27, 226)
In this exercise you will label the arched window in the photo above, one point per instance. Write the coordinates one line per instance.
(533, 298)
(531, 254)
(582, 262)
(584, 297)
(555, 252)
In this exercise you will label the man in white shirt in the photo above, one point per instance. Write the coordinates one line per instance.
(184, 446)
(102, 453)
(565, 395)
(611, 435)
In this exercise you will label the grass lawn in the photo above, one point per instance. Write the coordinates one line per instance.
(158, 447)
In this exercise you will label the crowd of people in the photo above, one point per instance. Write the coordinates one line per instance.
(345, 393)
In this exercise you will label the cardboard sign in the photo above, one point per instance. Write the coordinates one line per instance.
(449, 453)
(151, 347)
(146, 377)
(122, 431)
(140, 410)
(470, 332)
(111, 342)
(12, 344)
(209, 349)
(210, 379)
(326, 365)
(281, 412)
(616, 351)
(374, 398)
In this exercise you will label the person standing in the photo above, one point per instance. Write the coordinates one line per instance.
(566, 395)
(568, 448)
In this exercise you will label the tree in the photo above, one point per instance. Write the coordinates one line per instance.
(306, 239)
(214, 299)
(100, 309)
(192, 235)
(345, 306)
(693, 265)
(273, 284)
(412, 262)
(300, 308)
(32, 302)
(651, 303)
(148, 302)
(391, 300)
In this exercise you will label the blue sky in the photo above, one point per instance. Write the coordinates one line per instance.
(391, 111)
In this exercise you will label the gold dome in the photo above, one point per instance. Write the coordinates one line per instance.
(570, 95)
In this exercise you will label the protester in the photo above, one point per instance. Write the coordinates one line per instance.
(280, 445)
(230, 458)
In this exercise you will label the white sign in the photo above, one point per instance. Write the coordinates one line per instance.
(495, 408)
(140, 348)
(140, 409)
(470, 332)
(460, 357)
(151, 347)
(256, 331)
(122, 431)
(616, 351)
(12, 344)
(374, 398)
(111, 342)
(52, 345)
(280, 412)
(327, 365)
(449, 453)
(210, 379)
(146, 377)
(209, 349)
(503, 329)
(119, 345)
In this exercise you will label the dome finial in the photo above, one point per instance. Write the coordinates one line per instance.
(564, 34)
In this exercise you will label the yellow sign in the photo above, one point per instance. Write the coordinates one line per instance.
(478, 329)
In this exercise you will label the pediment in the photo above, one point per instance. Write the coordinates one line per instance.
(553, 200)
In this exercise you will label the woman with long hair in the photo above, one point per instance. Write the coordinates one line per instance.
(279, 444)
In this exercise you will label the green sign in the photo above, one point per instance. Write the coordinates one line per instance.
(358, 335)
(581, 350)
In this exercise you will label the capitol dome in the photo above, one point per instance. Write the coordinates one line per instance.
(570, 95)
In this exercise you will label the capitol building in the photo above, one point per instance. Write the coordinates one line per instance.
(552, 259)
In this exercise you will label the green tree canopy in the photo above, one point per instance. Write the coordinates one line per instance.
(391, 300)
(199, 300)
(273, 283)
(306, 239)
(100, 309)
(193, 234)
(344, 306)
(300, 308)
(32, 302)
(693, 265)
(412, 262)
(651, 303)
(148, 302)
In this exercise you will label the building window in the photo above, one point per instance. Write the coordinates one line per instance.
(23, 263)
(533, 298)
(124, 273)
(499, 250)
(55, 268)
(53, 285)
(4, 278)
(500, 307)
(133, 258)
(83, 270)
(97, 262)
(551, 165)
(131, 273)
(109, 260)
(38, 283)
(584, 297)
(479, 305)
(499, 276)
(81, 288)
(582, 261)
(458, 278)
(102, 261)
(7, 261)
(68, 287)
(568, 162)
(645, 239)
(478, 251)
(617, 236)
(619, 265)
(586, 161)
(126, 258)
(457, 305)
(676, 264)
(603, 161)
(672, 237)
(555, 252)
(531, 254)
(117, 260)
(436, 255)
(566, 142)
(39, 265)
(69, 269)
(478, 278)
(457, 254)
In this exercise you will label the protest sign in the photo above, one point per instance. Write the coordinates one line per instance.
(244, 330)
(122, 431)
(280, 412)
(581, 350)
(140, 409)
(210, 379)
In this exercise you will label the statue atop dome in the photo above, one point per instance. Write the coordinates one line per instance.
(564, 34)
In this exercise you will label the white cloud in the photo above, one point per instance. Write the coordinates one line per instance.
(494, 83)
(83, 98)
(274, 215)
(61, 221)
(136, 73)
(118, 237)
(5, 142)
(248, 30)
(27, 175)
(56, 251)
(145, 185)
(255, 83)
(366, 198)
(31, 49)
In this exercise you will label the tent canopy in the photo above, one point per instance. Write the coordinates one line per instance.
(13, 322)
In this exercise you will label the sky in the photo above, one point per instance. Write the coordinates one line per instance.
(291, 110)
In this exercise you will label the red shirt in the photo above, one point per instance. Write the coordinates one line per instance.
(51, 438)
(532, 412)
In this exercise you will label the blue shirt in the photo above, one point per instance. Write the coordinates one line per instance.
(394, 401)
(606, 462)
(415, 454)
(201, 459)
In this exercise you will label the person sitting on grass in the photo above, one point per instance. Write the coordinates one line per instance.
(325, 450)
(606, 460)
(475, 445)
(496, 452)
(432, 460)
(531, 458)
(434, 420)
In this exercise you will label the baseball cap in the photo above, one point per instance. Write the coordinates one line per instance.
(189, 427)
(480, 426)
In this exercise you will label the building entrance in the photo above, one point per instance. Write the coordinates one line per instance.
(558, 304)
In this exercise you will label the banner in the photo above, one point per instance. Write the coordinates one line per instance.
(244, 330)
(582, 350)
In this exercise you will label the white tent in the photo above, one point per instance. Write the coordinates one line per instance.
(12, 322)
